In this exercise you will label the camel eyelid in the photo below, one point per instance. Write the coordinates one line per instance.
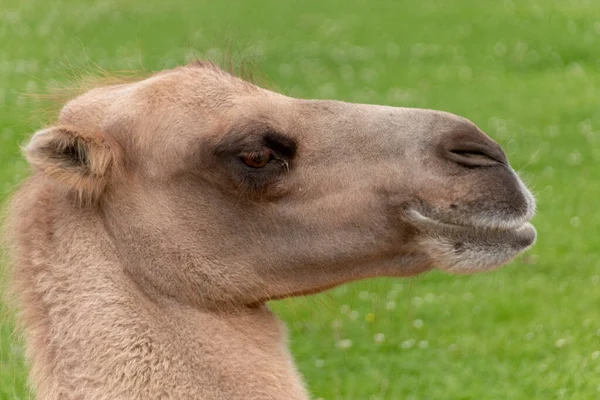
(280, 144)
(274, 156)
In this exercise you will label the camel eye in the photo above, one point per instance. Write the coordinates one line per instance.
(257, 159)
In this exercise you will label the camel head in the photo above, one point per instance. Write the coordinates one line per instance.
(216, 190)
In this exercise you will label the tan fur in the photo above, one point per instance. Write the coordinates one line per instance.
(144, 250)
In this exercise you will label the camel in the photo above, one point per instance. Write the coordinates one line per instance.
(162, 215)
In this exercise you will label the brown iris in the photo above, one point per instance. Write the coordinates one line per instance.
(257, 159)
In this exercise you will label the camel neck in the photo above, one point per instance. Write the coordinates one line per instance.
(92, 333)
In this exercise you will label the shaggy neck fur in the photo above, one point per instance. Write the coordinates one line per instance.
(92, 332)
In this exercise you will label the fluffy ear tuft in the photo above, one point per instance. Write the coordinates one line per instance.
(83, 161)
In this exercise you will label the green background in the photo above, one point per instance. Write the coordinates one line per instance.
(527, 72)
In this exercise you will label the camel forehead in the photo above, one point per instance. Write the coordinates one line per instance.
(196, 83)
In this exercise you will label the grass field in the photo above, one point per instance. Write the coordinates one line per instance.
(528, 73)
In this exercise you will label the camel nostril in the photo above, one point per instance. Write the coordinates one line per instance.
(472, 158)
(477, 155)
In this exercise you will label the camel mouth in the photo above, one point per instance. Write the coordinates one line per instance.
(486, 224)
(470, 248)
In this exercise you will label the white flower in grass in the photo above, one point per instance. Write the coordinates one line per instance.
(379, 338)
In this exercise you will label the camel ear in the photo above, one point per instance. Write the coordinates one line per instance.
(82, 161)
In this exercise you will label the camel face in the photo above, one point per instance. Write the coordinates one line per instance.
(216, 189)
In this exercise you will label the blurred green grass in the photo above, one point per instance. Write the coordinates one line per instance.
(526, 72)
